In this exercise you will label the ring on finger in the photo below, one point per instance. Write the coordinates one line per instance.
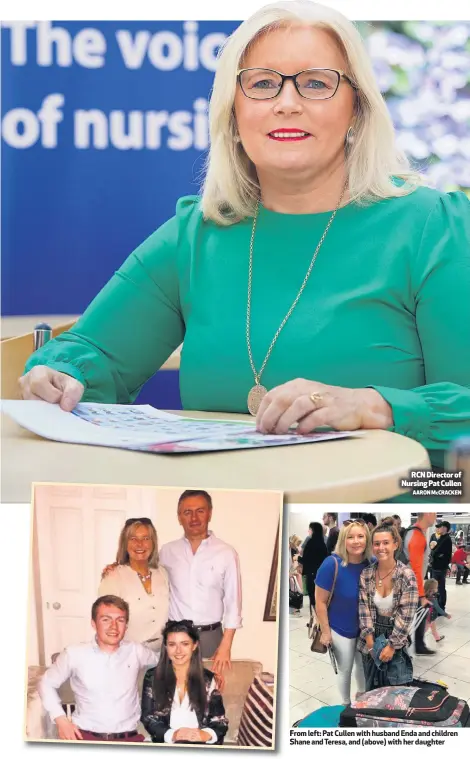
(317, 400)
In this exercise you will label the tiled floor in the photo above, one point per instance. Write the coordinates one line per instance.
(312, 680)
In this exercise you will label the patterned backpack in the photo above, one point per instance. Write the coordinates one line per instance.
(421, 703)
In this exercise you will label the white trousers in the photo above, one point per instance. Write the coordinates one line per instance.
(346, 655)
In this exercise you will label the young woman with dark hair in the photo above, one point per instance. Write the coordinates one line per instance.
(180, 699)
(388, 600)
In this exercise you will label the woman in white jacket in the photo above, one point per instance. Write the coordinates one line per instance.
(138, 579)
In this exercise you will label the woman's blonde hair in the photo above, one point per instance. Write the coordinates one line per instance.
(122, 555)
(294, 541)
(340, 548)
(231, 188)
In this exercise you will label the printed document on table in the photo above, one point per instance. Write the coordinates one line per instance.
(145, 428)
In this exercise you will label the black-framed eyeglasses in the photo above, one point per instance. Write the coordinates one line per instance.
(143, 520)
(312, 84)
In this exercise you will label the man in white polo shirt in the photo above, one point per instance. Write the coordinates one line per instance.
(204, 576)
(103, 676)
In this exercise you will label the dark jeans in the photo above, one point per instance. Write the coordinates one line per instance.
(462, 572)
(440, 576)
(398, 671)
(311, 589)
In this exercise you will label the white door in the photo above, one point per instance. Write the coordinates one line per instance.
(77, 529)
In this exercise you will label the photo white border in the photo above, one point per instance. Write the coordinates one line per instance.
(452, 745)
(217, 10)
(178, 490)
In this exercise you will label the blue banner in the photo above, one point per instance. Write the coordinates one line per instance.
(104, 126)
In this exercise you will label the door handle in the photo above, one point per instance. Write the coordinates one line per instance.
(56, 605)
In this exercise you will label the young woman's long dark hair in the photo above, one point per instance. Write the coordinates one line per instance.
(165, 679)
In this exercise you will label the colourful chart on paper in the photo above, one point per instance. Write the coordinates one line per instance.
(145, 428)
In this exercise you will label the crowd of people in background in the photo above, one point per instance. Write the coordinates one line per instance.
(367, 583)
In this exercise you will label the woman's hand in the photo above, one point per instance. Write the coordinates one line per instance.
(387, 653)
(44, 384)
(192, 734)
(108, 568)
(339, 407)
(204, 736)
(326, 639)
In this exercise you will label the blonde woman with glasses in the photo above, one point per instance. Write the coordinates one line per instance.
(339, 615)
(310, 281)
(138, 579)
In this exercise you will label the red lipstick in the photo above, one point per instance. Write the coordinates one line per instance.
(288, 135)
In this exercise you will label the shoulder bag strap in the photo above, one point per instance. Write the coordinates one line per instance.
(334, 582)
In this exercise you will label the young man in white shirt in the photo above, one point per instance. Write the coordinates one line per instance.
(205, 582)
(103, 676)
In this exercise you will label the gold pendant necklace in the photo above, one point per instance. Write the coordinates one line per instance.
(258, 391)
(380, 583)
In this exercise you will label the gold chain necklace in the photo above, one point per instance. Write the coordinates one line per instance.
(258, 391)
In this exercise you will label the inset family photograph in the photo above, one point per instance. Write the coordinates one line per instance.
(379, 619)
(144, 625)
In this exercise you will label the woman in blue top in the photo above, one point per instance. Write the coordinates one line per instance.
(339, 621)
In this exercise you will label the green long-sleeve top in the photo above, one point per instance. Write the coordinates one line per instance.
(387, 306)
